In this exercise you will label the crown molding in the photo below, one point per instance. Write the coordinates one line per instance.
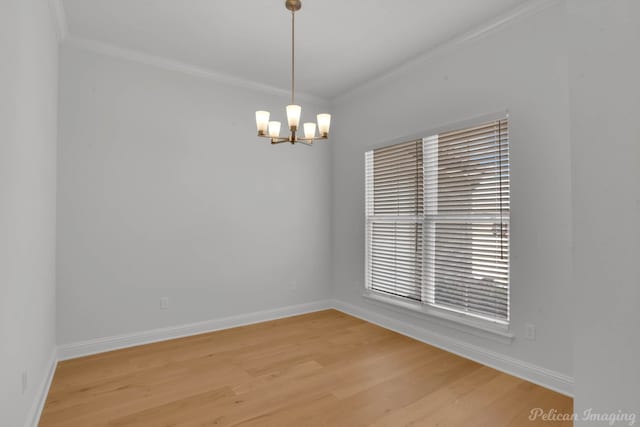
(60, 18)
(183, 67)
(528, 8)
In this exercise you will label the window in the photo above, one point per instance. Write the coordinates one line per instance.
(437, 218)
(395, 219)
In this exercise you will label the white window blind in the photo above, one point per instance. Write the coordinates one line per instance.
(438, 220)
(395, 211)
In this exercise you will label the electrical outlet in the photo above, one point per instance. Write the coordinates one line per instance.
(24, 381)
(294, 285)
(164, 303)
(530, 331)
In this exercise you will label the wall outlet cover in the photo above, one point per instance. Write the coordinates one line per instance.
(530, 331)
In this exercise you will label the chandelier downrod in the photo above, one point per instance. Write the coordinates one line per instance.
(293, 56)
(271, 129)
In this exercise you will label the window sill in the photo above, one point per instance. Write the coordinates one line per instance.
(473, 326)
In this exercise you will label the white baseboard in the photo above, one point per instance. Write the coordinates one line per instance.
(101, 345)
(33, 418)
(536, 374)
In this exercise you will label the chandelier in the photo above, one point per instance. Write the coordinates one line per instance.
(271, 129)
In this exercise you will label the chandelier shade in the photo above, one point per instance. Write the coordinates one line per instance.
(293, 115)
(262, 121)
(309, 130)
(271, 129)
(274, 129)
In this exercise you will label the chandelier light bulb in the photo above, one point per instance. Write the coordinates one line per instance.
(274, 129)
(324, 122)
(309, 130)
(293, 116)
(262, 122)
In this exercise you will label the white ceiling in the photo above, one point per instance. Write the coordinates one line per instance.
(339, 43)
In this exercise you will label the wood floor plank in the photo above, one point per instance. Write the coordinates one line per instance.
(318, 369)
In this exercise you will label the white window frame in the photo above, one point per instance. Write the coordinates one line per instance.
(468, 322)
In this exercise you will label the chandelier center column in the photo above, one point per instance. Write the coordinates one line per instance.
(293, 55)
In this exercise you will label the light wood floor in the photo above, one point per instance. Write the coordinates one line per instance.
(319, 369)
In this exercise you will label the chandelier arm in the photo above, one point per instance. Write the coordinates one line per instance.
(306, 141)
(274, 140)
(315, 138)
(279, 140)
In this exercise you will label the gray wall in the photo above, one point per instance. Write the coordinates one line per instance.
(520, 68)
(165, 191)
(28, 122)
(605, 142)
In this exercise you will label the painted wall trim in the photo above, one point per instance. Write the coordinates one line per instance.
(519, 12)
(183, 67)
(536, 374)
(60, 19)
(527, 8)
(33, 417)
(101, 345)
